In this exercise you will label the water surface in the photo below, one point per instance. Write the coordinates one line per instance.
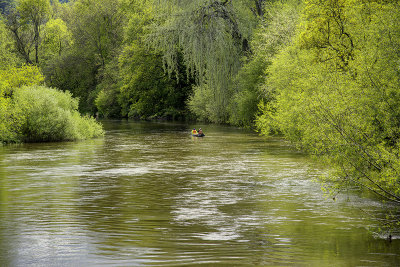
(150, 194)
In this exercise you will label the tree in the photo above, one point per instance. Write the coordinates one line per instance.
(139, 83)
(95, 28)
(30, 112)
(274, 32)
(147, 91)
(56, 38)
(335, 92)
(7, 57)
(26, 24)
(211, 36)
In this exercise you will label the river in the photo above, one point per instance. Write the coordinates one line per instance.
(149, 194)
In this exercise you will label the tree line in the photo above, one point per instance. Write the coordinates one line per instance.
(322, 73)
(141, 59)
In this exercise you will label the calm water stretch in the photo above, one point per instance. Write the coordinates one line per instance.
(150, 194)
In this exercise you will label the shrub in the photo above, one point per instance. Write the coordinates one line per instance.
(52, 115)
(12, 117)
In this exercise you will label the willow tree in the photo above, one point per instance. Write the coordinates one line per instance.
(210, 37)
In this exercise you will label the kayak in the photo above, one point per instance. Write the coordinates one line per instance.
(198, 135)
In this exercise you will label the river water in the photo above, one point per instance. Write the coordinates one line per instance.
(150, 194)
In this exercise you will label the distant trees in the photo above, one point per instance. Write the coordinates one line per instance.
(7, 57)
(26, 22)
(95, 48)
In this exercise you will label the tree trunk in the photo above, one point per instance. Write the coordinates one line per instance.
(36, 40)
(259, 7)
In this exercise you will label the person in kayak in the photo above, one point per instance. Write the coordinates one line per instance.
(194, 131)
(200, 132)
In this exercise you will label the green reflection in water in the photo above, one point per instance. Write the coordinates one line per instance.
(150, 194)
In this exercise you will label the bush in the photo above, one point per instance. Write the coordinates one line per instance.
(11, 117)
(10, 121)
(52, 115)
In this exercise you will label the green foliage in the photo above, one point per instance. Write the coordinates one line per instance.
(201, 103)
(80, 45)
(10, 120)
(33, 113)
(11, 116)
(33, 14)
(51, 115)
(273, 34)
(212, 37)
(246, 91)
(5, 5)
(107, 100)
(335, 92)
(147, 90)
(137, 85)
(97, 28)
(91, 33)
(110, 102)
(57, 38)
(7, 57)
(19, 76)
(33, 11)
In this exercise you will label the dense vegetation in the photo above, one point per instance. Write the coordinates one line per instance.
(322, 73)
(32, 112)
(338, 93)
(29, 110)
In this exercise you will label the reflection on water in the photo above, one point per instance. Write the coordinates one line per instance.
(150, 194)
